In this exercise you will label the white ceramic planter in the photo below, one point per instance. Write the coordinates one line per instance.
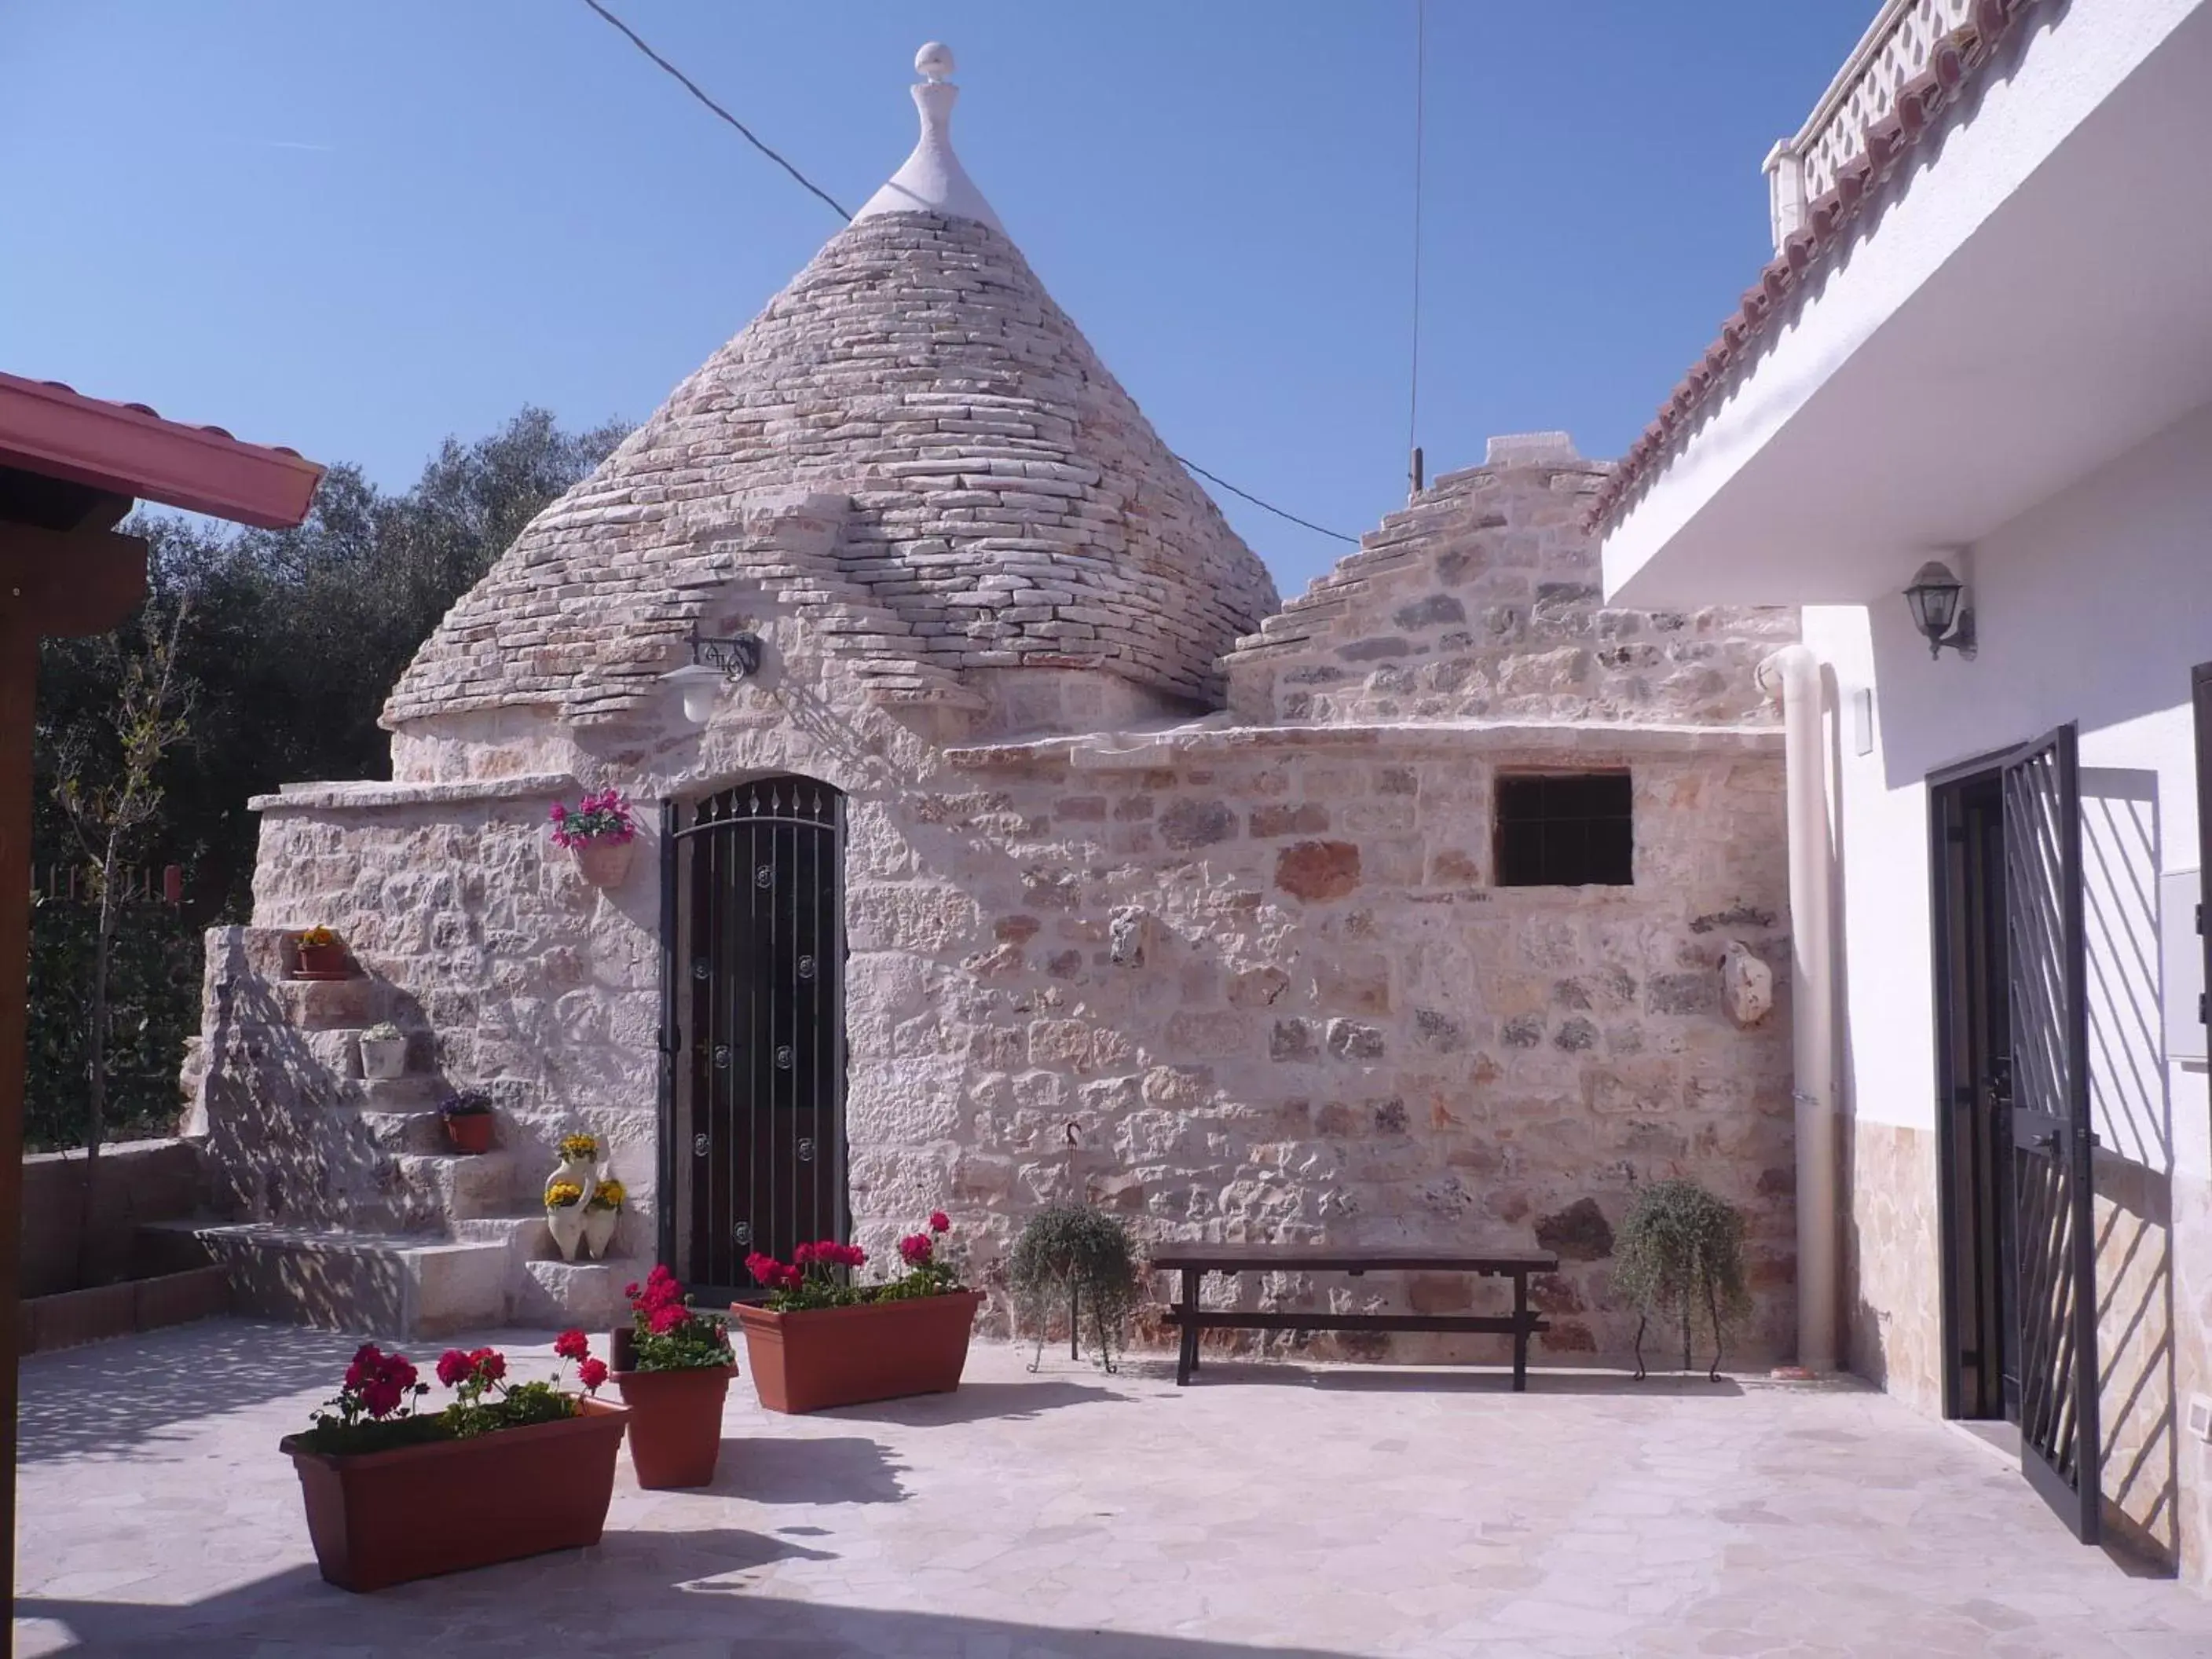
(599, 1231)
(566, 1222)
(383, 1059)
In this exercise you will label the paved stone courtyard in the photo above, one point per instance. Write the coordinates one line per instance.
(1072, 1514)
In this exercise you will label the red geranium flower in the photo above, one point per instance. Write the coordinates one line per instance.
(592, 1373)
(915, 1248)
(940, 1222)
(573, 1344)
(452, 1366)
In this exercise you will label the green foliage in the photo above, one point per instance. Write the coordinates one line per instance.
(287, 644)
(153, 1006)
(1679, 1256)
(1079, 1251)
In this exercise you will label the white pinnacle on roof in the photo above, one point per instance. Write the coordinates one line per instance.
(932, 180)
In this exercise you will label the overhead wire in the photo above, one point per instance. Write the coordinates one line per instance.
(1420, 81)
(694, 89)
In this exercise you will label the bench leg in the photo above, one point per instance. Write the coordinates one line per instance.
(1520, 1333)
(1187, 1354)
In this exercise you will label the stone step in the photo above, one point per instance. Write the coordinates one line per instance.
(403, 1285)
(461, 1185)
(586, 1293)
(417, 1091)
(526, 1235)
(405, 1131)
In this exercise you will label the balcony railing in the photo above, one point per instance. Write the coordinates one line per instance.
(1900, 43)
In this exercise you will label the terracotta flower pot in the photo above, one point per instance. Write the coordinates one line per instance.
(675, 1423)
(381, 1518)
(604, 863)
(470, 1131)
(804, 1361)
(322, 962)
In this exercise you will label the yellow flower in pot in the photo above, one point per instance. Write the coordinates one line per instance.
(564, 1216)
(602, 1211)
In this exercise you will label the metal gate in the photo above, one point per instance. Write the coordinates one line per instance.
(753, 923)
(2054, 1234)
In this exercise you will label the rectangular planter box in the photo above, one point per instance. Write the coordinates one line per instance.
(808, 1362)
(382, 1518)
(75, 1317)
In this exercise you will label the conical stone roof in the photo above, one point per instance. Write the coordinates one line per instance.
(1008, 504)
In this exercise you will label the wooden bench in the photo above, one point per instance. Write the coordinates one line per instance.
(1194, 1261)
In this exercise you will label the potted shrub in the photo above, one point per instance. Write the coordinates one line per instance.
(602, 1212)
(383, 1052)
(317, 954)
(1679, 1256)
(506, 1470)
(1078, 1255)
(822, 1340)
(673, 1367)
(468, 1121)
(599, 829)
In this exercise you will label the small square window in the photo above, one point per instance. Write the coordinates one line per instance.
(1565, 829)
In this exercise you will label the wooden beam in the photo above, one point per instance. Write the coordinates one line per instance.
(68, 582)
(78, 581)
(18, 673)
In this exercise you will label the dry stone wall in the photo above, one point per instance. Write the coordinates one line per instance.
(1482, 600)
(1008, 504)
(1261, 974)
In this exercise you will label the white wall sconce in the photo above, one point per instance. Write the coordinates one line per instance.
(715, 662)
(1936, 598)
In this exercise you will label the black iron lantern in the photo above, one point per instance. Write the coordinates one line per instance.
(1935, 598)
(714, 663)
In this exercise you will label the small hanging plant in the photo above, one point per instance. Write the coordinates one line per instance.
(599, 831)
(1679, 1256)
(1078, 1253)
(604, 819)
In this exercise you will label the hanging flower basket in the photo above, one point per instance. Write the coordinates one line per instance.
(600, 829)
(604, 863)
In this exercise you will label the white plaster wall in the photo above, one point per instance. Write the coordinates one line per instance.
(1976, 285)
(2093, 607)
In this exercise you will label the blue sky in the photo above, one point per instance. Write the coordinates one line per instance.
(355, 228)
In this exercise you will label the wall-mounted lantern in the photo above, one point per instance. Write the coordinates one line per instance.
(1936, 598)
(715, 663)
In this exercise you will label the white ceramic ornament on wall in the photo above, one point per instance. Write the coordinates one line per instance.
(567, 1221)
(599, 1224)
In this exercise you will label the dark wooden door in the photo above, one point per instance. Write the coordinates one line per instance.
(759, 1061)
(2053, 1223)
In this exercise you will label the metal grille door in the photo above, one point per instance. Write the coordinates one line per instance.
(759, 1061)
(2054, 1236)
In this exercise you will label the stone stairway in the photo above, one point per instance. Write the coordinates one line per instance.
(345, 1205)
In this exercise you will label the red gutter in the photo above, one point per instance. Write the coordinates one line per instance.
(127, 449)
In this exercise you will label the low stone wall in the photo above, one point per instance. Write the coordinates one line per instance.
(138, 1181)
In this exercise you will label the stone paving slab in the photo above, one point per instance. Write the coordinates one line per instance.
(1070, 1514)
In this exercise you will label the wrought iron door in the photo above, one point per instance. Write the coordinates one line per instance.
(2053, 1231)
(759, 1061)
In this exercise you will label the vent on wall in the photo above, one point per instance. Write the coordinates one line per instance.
(1565, 829)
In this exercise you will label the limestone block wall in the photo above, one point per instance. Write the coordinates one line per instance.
(1481, 600)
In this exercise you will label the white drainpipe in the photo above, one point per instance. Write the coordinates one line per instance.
(1796, 673)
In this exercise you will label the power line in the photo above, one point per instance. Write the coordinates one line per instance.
(1421, 80)
(692, 86)
(1269, 506)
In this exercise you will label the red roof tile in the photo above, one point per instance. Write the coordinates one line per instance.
(127, 449)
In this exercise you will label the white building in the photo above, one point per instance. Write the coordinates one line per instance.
(1986, 340)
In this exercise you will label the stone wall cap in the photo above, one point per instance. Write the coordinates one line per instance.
(1580, 740)
(326, 797)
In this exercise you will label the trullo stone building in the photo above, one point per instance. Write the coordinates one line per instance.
(1041, 853)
